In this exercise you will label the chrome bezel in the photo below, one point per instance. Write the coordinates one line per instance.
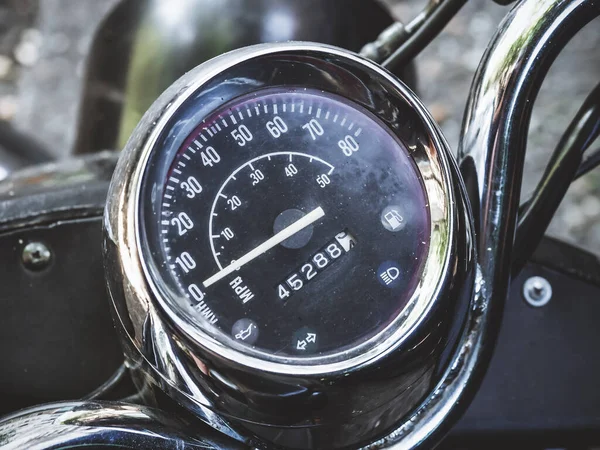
(433, 168)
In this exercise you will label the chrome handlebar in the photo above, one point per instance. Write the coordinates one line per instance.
(491, 157)
(78, 424)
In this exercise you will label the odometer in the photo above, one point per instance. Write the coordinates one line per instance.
(294, 222)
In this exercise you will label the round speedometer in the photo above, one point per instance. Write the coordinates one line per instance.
(313, 215)
(285, 242)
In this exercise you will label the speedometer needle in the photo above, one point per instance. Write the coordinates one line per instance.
(287, 232)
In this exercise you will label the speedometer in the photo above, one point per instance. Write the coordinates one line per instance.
(283, 223)
(293, 222)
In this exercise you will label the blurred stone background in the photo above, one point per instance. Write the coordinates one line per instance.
(43, 45)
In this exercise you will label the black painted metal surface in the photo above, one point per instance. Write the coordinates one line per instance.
(542, 384)
(56, 336)
(57, 340)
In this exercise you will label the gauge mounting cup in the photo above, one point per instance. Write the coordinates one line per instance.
(341, 395)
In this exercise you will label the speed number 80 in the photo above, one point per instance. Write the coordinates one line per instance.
(348, 145)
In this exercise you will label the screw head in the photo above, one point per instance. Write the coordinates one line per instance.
(537, 291)
(36, 256)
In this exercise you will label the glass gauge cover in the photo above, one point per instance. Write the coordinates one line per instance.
(330, 174)
(288, 221)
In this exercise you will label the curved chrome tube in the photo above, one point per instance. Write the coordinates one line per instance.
(491, 155)
(115, 425)
(493, 144)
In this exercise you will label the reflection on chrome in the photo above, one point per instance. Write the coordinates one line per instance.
(115, 425)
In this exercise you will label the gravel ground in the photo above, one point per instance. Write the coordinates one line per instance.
(42, 50)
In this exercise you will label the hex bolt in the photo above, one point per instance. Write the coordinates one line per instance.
(36, 256)
(537, 291)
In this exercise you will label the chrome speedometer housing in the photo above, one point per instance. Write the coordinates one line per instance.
(327, 400)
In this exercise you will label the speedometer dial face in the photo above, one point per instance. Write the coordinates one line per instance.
(292, 223)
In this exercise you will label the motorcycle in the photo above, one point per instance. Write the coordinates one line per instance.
(287, 254)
